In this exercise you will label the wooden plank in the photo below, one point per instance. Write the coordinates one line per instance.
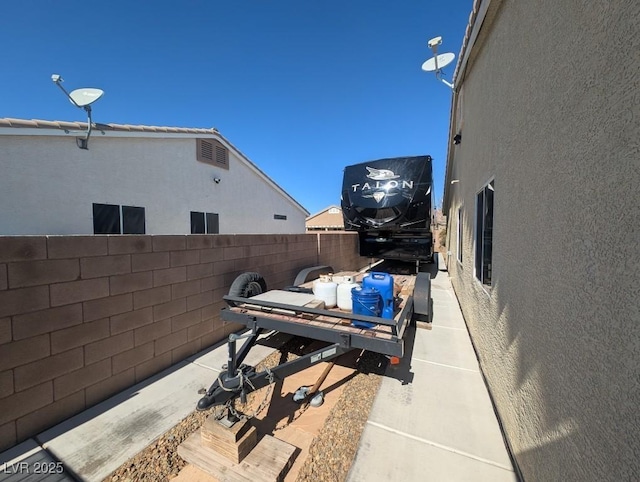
(234, 451)
(211, 428)
(214, 464)
(269, 461)
(315, 304)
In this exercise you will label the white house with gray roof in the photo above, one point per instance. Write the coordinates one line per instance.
(134, 180)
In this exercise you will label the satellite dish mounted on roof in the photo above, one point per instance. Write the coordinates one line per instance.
(82, 98)
(438, 62)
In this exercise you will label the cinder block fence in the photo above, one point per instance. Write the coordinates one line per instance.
(84, 317)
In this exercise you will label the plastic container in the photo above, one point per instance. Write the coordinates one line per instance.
(345, 302)
(326, 290)
(366, 301)
(383, 282)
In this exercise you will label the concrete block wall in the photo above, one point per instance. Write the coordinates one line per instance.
(340, 251)
(84, 317)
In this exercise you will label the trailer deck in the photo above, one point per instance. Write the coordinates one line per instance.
(294, 313)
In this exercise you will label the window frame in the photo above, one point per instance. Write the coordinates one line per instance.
(460, 234)
(121, 211)
(206, 222)
(483, 252)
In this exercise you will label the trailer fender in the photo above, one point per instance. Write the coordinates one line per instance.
(308, 274)
(422, 303)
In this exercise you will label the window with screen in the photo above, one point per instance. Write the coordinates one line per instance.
(204, 223)
(213, 226)
(116, 219)
(459, 235)
(106, 219)
(133, 220)
(484, 234)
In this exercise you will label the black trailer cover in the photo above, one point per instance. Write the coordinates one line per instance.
(391, 194)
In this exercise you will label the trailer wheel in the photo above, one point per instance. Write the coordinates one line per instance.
(247, 285)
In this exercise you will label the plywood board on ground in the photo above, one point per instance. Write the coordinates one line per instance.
(269, 461)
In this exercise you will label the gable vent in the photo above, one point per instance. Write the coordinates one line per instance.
(206, 150)
(222, 155)
(212, 152)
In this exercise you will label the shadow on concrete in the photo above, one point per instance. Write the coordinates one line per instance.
(402, 371)
(100, 408)
(408, 267)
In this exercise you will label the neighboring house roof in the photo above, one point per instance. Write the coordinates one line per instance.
(329, 217)
(44, 124)
(9, 126)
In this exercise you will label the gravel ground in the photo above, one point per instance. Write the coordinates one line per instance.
(331, 453)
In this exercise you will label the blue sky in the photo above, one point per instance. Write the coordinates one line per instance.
(303, 88)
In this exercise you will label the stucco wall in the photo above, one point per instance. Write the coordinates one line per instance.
(48, 186)
(84, 317)
(551, 112)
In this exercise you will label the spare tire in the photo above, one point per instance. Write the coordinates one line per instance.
(247, 285)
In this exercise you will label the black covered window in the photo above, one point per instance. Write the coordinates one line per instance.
(197, 223)
(213, 225)
(459, 235)
(106, 219)
(281, 217)
(202, 223)
(133, 220)
(484, 233)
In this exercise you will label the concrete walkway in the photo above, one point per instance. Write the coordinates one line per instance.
(432, 418)
(97, 441)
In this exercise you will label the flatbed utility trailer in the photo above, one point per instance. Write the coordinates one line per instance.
(292, 311)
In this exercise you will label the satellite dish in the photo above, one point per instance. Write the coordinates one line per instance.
(438, 62)
(82, 97)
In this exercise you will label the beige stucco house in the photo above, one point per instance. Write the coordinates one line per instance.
(134, 180)
(329, 219)
(543, 205)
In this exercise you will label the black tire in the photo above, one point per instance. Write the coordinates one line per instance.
(247, 285)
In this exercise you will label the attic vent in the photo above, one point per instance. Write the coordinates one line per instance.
(222, 156)
(212, 152)
(207, 150)
(334, 211)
